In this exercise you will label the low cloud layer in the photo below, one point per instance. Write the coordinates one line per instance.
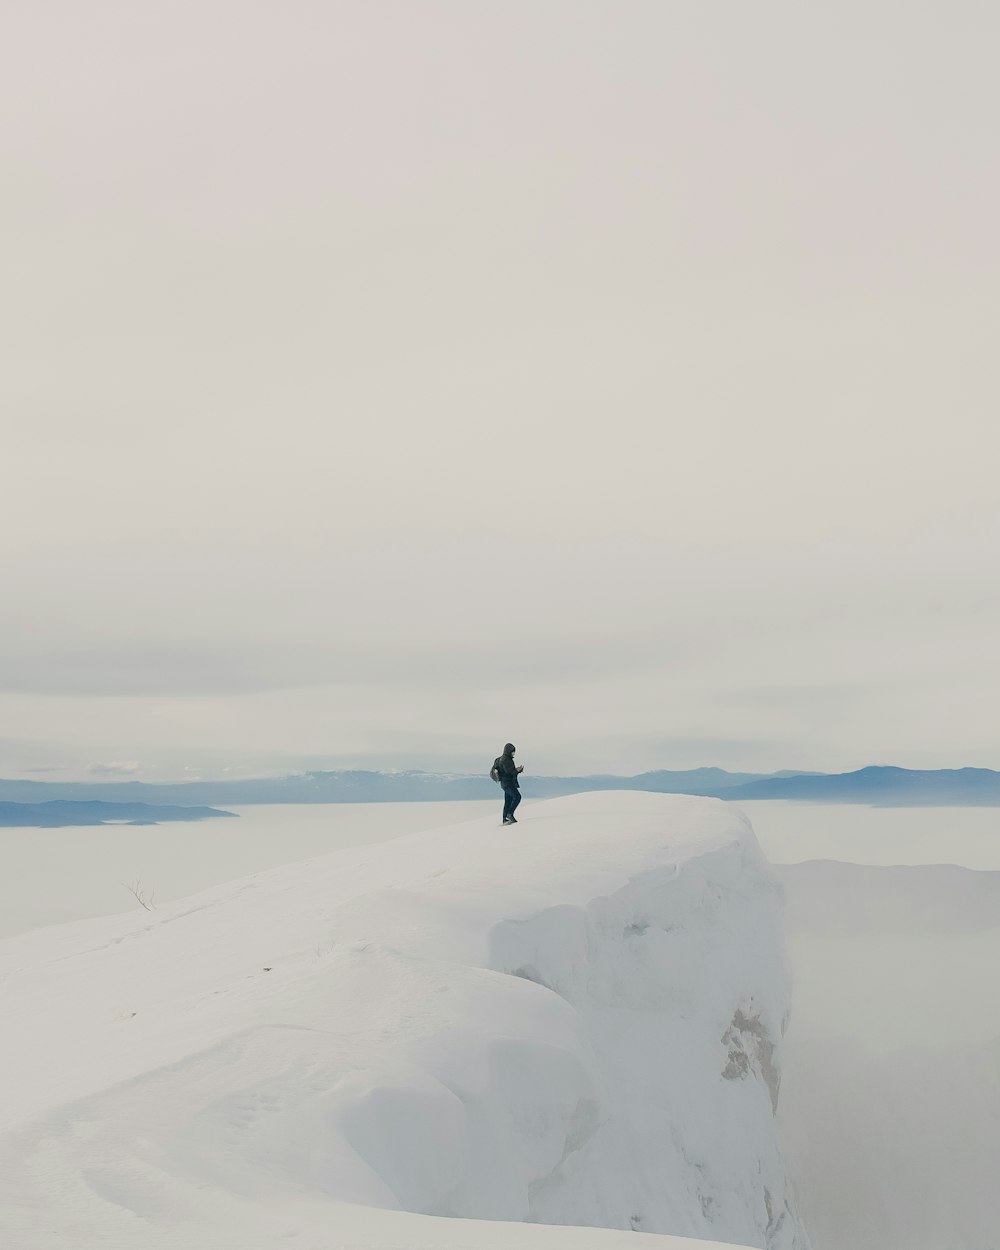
(116, 768)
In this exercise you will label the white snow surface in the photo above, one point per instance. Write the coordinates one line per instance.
(575, 1020)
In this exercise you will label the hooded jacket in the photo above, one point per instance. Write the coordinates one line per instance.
(507, 769)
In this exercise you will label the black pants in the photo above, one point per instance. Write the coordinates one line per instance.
(511, 798)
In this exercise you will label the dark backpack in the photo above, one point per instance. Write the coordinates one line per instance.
(495, 770)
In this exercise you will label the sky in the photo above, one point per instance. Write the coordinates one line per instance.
(381, 382)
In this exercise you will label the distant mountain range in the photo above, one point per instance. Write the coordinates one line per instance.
(62, 812)
(879, 786)
(883, 787)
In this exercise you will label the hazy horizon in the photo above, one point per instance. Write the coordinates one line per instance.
(382, 382)
(130, 771)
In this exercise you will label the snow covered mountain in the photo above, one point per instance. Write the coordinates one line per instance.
(576, 1020)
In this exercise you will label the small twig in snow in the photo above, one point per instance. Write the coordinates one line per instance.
(136, 890)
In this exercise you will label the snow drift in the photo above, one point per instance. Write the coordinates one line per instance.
(572, 1021)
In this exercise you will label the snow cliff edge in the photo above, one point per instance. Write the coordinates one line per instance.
(575, 1020)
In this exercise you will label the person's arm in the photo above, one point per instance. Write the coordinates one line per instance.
(520, 768)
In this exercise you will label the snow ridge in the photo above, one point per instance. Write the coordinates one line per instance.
(575, 1021)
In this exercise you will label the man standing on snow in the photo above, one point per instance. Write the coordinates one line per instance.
(507, 771)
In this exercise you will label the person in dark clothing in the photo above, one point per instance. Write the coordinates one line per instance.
(507, 772)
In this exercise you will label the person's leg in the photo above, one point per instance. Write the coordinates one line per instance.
(515, 798)
(506, 802)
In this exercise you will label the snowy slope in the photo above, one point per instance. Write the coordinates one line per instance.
(574, 1021)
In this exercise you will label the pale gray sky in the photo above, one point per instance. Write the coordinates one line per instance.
(383, 381)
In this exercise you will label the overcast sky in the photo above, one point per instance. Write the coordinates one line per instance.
(384, 381)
